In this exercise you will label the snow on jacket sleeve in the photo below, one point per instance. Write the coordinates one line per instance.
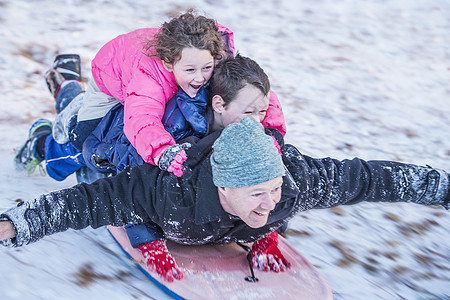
(118, 200)
(274, 117)
(327, 182)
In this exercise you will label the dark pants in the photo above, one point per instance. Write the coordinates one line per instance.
(63, 160)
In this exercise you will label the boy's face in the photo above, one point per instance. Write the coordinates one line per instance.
(193, 70)
(252, 204)
(249, 102)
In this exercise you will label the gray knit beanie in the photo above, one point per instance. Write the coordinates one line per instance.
(244, 155)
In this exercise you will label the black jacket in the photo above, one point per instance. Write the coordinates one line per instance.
(190, 211)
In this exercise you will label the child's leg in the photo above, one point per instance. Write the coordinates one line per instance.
(108, 147)
(64, 83)
(62, 160)
(80, 131)
(66, 120)
(69, 89)
(95, 106)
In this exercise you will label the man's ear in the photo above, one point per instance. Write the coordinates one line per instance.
(218, 104)
(168, 66)
(224, 199)
(221, 189)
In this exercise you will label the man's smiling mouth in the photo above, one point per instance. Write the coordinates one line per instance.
(260, 213)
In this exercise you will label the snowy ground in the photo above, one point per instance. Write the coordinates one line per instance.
(355, 78)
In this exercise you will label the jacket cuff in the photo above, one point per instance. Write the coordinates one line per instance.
(156, 155)
(17, 216)
(143, 233)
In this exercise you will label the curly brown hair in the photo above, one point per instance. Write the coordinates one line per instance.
(186, 31)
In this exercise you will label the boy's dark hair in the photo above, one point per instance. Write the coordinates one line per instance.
(186, 31)
(233, 73)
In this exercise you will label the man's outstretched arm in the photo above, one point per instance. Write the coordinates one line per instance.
(116, 201)
(328, 182)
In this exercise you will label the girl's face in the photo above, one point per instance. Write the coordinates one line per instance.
(249, 102)
(193, 70)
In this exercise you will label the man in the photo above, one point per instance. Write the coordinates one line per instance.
(236, 187)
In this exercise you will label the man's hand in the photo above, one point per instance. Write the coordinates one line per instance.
(158, 259)
(7, 230)
(266, 256)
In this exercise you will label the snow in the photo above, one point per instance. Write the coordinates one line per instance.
(355, 78)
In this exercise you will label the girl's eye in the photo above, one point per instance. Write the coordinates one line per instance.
(257, 194)
(208, 68)
(189, 70)
(263, 112)
(248, 112)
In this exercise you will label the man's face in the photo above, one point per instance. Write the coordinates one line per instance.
(252, 204)
(193, 70)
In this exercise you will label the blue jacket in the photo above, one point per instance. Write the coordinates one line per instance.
(185, 116)
(108, 150)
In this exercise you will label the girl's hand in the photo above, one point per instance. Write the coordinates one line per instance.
(176, 167)
(173, 158)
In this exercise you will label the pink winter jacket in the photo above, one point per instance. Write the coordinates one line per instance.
(122, 70)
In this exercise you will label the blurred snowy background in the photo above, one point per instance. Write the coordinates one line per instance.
(355, 78)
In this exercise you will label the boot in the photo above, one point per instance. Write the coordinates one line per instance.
(65, 67)
(27, 157)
